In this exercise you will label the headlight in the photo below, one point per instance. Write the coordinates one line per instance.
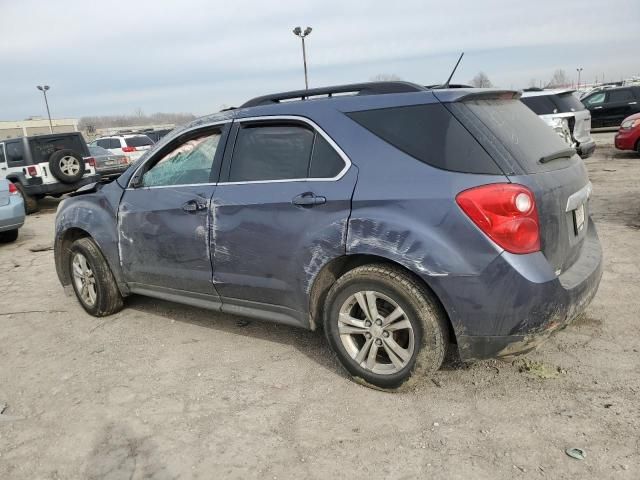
(629, 124)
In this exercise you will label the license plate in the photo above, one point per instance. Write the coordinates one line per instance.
(110, 162)
(578, 218)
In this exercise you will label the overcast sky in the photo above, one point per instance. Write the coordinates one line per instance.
(195, 56)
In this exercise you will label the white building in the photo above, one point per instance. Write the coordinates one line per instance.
(36, 126)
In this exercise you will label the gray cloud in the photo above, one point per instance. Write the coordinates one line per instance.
(195, 55)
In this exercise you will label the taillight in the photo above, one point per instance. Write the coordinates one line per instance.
(91, 161)
(13, 190)
(128, 149)
(32, 171)
(506, 213)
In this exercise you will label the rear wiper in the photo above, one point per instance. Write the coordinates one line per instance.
(565, 153)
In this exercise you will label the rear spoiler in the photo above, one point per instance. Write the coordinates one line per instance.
(464, 95)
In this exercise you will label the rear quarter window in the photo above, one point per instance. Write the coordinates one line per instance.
(540, 104)
(430, 134)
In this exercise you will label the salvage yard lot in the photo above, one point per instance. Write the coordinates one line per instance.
(162, 390)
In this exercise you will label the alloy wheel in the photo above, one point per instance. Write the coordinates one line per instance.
(69, 165)
(84, 280)
(376, 332)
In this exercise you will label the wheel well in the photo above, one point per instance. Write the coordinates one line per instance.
(62, 247)
(341, 265)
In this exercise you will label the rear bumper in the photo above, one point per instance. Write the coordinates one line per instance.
(58, 187)
(112, 171)
(586, 149)
(12, 214)
(518, 301)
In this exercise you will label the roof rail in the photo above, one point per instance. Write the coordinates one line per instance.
(369, 88)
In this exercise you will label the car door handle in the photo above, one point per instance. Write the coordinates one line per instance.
(308, 199)
(633, 103)
(597, 108)
(194, 206)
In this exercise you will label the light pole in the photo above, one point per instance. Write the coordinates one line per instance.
(298, 32)
(579, 70)
(43, 89)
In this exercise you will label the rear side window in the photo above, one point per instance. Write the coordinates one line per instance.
(114, 143)
(516, 128)
(141, 141)
(620, 96)
(15, 151)
(430, 134)
(271, 152)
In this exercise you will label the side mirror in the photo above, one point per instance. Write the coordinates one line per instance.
(136, 181)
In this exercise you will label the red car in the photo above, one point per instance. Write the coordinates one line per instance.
(628, 137)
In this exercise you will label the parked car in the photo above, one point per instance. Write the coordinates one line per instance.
(395, 217)
(133, 145)
(11, 211)
(565, 114)
(46, 165)
(107, 163)
(628, 136)
(611, 106)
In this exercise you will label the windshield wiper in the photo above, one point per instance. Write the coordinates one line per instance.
(565, 153)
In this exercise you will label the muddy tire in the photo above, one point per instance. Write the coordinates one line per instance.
(67, 166)
(92, 279)
(10, 236)
(30, 202)
(385, 326)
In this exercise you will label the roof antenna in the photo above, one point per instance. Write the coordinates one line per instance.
(446, 84)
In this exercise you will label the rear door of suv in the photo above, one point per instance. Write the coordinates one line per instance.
(279, 214)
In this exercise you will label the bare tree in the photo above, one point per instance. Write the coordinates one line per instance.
(559, 79)
(385, 77)
(533, 83)
(481, 80)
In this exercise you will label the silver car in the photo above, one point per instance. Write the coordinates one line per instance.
(108, 164)
(566, 114)
(11, 211)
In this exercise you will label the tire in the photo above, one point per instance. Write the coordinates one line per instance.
(423, 340)
(99, 280)
(67, 165)
(9, 236)
(638, 147)
(30, 203)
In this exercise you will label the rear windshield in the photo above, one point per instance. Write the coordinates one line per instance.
(511, 132)
(549, 104)
(430, 134)
(140, 141)
(43, 147)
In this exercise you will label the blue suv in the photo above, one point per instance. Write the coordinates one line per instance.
(399, 219)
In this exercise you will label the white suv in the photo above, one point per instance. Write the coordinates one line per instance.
(133, 146)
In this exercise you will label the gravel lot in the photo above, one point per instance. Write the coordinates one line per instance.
(165, 391)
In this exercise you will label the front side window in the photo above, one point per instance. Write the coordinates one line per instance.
(596, 99)
(271, 152)
(620, 96)
(189, 163)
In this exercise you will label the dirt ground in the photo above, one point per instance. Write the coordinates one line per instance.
(167, 391)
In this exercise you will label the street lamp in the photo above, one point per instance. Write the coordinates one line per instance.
(43, 89)
(579, 70)
(298, 32)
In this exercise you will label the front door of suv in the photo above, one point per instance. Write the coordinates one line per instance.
(164, 221)
(279, 213)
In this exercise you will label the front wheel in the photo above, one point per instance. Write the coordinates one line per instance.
(385, 326)
(92, 279)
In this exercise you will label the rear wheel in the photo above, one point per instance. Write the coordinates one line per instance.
(30, 202)
(10, 236)
(92, 279)
(384, 326)
(638, 147)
